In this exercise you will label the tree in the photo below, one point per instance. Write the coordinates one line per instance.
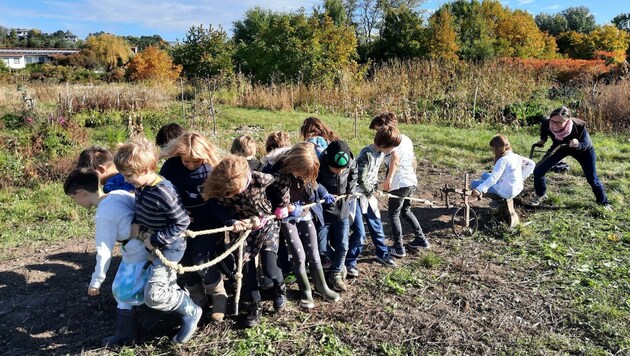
(335, 10)
(153, 64)
(442, 38)
(609, 38)
(275, 46)
(579, 19)
(143, 42)
(109, 50)
(622, 22)
(402, 35)
(205, 53)
(575, 45)
(552, 24)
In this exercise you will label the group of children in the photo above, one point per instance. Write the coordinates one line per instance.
(293, 233)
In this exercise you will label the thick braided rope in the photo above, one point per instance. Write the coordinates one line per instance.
(423, 201)
(239, 278)
(191, 234)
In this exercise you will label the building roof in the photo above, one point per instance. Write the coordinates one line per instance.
(5, 52)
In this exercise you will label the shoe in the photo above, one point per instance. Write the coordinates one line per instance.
(125, 329)
(306, 295)
(190, 315)
(397, 252)
(419, 243)
(219, 299)
(321, 287)
(255, 313)
(387, 260)
(607, 207)
(352, 272)
(290, 279)
(280, 299)
(537, 200)
(344, 272)
(337, 283)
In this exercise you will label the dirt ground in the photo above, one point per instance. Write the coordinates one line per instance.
(470, 304)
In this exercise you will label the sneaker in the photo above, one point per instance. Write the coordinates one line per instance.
(607, 207)
(397, 252)
(337, 283)
(352, 272)
(280, 299)
(290, 279)
(253, 315)
(387, 260)
(537, 200)
(419, 243)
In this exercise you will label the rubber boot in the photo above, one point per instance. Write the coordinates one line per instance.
(280, 299)
(306, 296)
(125, 329)
(254, 314)
(321, 288)
(190, 315)
(198, 295)
(219, 299)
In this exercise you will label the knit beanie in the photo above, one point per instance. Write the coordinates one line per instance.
(338, 154)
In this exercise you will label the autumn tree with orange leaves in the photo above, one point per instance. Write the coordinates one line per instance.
(153, 64)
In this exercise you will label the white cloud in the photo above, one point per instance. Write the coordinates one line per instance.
(525, 2)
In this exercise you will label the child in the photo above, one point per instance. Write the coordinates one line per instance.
(278, 142)
(160, 213)
(401, 181)
(316, 132)
(338, 174)
(301, 166)
(190, 160)
(368, 164)
(102, 161)
(114, 213)
(243, 192)
(167, 133)
(245, 146)
(508, 173)
(385, 118)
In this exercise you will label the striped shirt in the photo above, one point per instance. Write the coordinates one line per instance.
(159, 208)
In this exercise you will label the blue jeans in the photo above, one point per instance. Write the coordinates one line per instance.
(395, 207)
(475, 183)
(586, 160)
(333, 240)
(356, 240)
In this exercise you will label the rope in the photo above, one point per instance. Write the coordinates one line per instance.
(423, 201)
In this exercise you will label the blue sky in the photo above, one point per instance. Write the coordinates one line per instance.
(172, 19)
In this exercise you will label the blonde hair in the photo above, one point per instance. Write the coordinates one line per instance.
(301, 159)
(500, 145)
(227, 178)
(192, 145)
(243, 145)
(137, 156)
(277, 139)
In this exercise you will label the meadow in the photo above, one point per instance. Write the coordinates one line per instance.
(558, 284)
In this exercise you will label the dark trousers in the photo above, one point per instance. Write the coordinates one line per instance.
(268, 261)
(395, 207)
(586, 160)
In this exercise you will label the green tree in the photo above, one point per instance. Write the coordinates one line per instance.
(205, 53)
(579, 19)
(575, 45)
(552, 24)
(286, 46)
(622, 22)
(609, 38)
(402, 35)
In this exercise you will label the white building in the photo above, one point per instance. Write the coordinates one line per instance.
(69, 36)
(17, 58)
